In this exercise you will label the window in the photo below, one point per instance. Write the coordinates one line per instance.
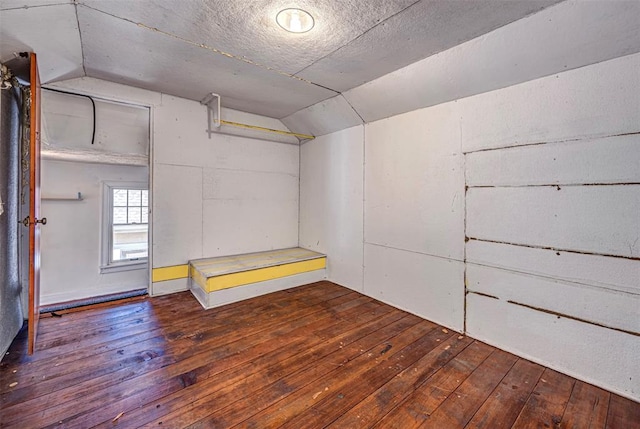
(125, 227)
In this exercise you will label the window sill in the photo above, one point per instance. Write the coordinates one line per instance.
(124, 266)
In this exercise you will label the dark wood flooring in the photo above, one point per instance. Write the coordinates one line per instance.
(311, 357)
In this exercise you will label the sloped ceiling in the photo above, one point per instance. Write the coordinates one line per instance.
(189, 48)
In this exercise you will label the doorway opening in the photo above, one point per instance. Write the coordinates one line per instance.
(95, 193)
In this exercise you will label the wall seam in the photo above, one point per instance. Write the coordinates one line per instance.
(558, 141)
(464, 245)
(299, 192)
(364, 186)
(400, 249)
(151, 201)
(554, 249)
(467, 262)
(202, 211)
(84, 68)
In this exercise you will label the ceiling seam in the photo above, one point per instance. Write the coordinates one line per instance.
(36, 6)
(211, 49)
(353, 108)
(312, 104)
(356, 38)
(75, 5)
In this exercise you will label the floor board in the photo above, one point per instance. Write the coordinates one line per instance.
(310, 357)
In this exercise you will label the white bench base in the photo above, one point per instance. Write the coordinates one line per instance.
(228, 296)
(225, 279)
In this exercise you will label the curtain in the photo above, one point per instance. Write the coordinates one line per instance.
(11, 317)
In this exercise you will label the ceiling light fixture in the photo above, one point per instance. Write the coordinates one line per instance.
(295, 20)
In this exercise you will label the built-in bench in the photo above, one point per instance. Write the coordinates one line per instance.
(225, 279)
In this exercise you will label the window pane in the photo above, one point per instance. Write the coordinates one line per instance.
(129, 229)
(135, 197)
(134, 215)
(119, 215)
(129, 242)
(119, 197)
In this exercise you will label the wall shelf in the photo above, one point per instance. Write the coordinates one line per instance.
(78, 198)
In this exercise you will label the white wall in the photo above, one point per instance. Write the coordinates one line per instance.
(331, 203)
(67, 123)
(553, 213)
(236, 192)
(576, 312)
(414, 213)
(71, 239)
(365, 190)
(221, 196)
(543, 179)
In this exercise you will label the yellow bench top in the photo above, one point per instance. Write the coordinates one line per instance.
(219, 266)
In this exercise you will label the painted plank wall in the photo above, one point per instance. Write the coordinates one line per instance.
(562, 217)
(553, 217)
(550, 274)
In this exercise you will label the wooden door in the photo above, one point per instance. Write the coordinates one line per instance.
(34, 205)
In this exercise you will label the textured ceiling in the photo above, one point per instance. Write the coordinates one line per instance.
(189, 48)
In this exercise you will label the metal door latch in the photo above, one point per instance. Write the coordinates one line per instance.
(27, 221)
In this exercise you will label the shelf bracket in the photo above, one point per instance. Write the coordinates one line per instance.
(212, 101)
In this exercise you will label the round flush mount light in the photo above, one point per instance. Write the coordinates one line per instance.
(295, 20)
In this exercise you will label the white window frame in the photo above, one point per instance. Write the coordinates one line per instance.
(106, 265)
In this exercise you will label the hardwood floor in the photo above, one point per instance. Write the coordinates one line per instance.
(311, 357)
